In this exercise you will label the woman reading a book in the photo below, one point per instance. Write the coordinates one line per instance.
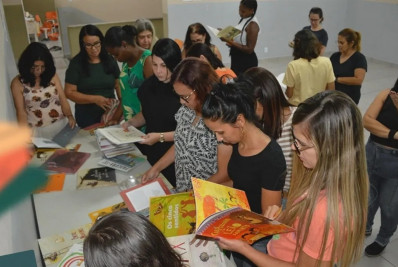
(327, 203)
(195, 152)
(92, 79)
(159, 104)
(127, 239)
(257, 165)
(242, 46)
(39, 98)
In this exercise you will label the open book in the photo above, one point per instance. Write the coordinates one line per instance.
(118, 135)
(228, 32)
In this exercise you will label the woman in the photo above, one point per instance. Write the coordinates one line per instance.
(316, 19)
(127, 239)
(91, 79)
(159, 105)
(203, 52)
(146, 36)
(242, 47)
(330, 189)
(197, 33)
(381, 120)
(195, 152)
(308, 73)
(349, 64)
(137, 65)
(39, 99)
(257, 165)
(274, 113)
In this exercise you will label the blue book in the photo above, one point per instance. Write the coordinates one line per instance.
(23, 258)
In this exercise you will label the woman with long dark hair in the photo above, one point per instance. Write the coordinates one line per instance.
(91, 79)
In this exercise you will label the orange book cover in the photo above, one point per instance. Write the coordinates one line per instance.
(173, 215)
(55, 183)
(224, 211)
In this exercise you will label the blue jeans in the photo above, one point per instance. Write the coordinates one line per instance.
(242, 261)
(383, 192)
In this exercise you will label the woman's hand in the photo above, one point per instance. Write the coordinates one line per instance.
(150, 174)
(71, 121)
(236, 245)
(102, 102)
(273, 212)
(125, 125)
(150, 139)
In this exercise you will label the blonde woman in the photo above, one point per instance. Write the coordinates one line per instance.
(327, 202)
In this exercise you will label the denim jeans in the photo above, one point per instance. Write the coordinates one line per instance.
(383, 192)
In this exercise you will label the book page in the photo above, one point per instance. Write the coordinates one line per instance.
(139, 197)
(118, 135)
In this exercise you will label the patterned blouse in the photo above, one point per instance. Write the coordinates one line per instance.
(195, 149)
(42, 105)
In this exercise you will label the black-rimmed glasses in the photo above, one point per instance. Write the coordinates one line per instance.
(91, 46)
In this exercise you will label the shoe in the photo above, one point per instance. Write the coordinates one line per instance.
(374, 249)
(368, 232)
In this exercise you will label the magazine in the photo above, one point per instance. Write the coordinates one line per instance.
(118, 135)
(65, 161)
(124, 162)
(96, 177)
(137, 197)
(224, 211)
(228, 33)
(173, 215)
(111, 150)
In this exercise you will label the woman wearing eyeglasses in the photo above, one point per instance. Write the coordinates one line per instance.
(38, 96)
(121, 43)
(196, 152)
(91, 79)
(327, 203)
(316, 18)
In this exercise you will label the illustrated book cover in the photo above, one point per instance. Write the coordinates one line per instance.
(118, 135)
(229, 32)
(74, 257)
(137, 197)
(95, 177)
(55, 183)
(65, 161)
(173, 215)
(55, 247)
(224, 211)
(96, 215)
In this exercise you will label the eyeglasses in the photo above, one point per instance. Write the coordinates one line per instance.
(94, 45)
(297, 143)
(186, 97)
(314, 20)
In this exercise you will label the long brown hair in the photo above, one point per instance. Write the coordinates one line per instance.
(334, 125)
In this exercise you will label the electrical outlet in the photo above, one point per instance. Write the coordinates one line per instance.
(265, 49)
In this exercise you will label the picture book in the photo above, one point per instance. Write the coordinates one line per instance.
(74, 257)
(224, 211)
(55, 183)
(194, 255)
(110, 149)
(24, 258)
(173, 215)
(41, 142)
(95, 177)
(124, 162)
(137, 197)
(118, 135)
(55, 247)
(95, 215)
(65, 135)
(228, 32)
(65, 161)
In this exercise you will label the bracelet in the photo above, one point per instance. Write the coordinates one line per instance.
(161, 138)
(392, 133)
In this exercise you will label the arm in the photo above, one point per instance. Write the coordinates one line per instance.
(289, 91)
(323, 48)
(330, 86)
(64, 102)
(270, 198)
(223, 155)
(369, 119)
(148, 71)
(264, 260)
(153, 138)
(251, 39)
(19, 102)
(119, 111)
(80, 98)
(162, 163)
(359, 76)
(137, 121)
(217, 53)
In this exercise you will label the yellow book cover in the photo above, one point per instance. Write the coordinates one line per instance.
(173, 215)
(95, 215)
(211, 198)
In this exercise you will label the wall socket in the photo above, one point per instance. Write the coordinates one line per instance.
(265, 49)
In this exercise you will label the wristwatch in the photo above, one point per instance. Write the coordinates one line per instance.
(161, 138)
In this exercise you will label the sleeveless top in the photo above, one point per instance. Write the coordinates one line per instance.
(42, 105)
(241, 38)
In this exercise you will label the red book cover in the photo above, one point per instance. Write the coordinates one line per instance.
(137, 197)
(66, 161)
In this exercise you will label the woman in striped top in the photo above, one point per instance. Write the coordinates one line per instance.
(274, 112)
